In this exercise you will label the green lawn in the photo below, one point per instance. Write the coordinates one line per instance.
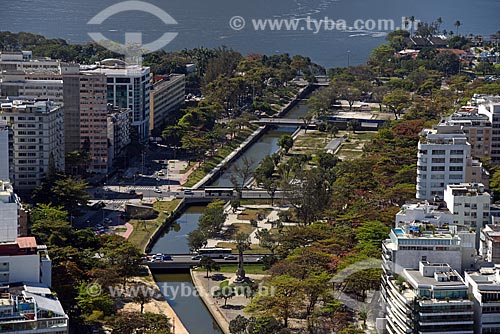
(236, 228)
(249, 214)
(144, 229)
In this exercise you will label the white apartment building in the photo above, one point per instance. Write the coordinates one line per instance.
(408, 244)
(24, 261)
(128, 86)
(470, 205)
(167, 95)
(435, 214)
(484, 286)
(37, 139)
(442, 159)
(490, 243)
(430, 299)
(10, 206)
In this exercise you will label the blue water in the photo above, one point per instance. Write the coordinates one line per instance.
(206, 23)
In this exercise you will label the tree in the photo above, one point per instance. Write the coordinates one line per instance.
(212, 221)
(209, 264)
(282, 303)
(197, 239)
(122, 255)
(242, 174)
(225, 292)
(142, 294)
(285, 142)
(352, 125)
(242, 244)
(397, 101)
(306, 119)
(457, 24)
(267, 239)
(135, 322)
(50, 223)
(271, 187)
(70, 193)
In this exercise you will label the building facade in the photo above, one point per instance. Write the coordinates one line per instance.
(484, 286)
(4, 150)
(128, 86)
(491, 109)
(119, 122)
(470, 205)
(430, 299)
(442, 159)
(167, 95)
(36, 140)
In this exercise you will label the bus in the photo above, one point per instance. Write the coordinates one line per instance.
(219, 192)
(214, 252)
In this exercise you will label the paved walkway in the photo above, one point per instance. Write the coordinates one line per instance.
(232, 218)
(235, 305)
(129, 230)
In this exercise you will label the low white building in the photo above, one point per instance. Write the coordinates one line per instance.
(408, 244)
(484, 286)
(25, 261)
(437, 215)
(31, 309)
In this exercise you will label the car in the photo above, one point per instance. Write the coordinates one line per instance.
(197, 257)
(161, 173)
(158, 191)
(132, 192)
(108, 220)
(230, 257)
(188, 192)
(259, 259)
(167, 258)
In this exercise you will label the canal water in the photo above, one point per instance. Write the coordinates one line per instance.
(188, 306)
(266, 145)
(190, 309)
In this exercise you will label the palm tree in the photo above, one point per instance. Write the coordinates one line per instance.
(412, 20)
(457, 24)
(439, 21)
(363, 316)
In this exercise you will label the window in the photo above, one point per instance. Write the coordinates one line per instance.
(456, 168)
(438, 152)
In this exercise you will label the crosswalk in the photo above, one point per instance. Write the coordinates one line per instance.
(142, 188)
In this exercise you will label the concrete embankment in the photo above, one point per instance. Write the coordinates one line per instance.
(210, 304)
(215, 173)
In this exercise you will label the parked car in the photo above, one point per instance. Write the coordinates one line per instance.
(188, 192)
(132, 192)
(230, 257)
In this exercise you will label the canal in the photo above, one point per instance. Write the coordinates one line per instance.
(190, 309)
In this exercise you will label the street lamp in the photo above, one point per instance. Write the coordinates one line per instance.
(348, 58)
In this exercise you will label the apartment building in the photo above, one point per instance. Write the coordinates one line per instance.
(128, 86)
(476, 127)
(426, 213)
(484, 287)
(36, 140)
(119, 120)
(167, 95)
(4, 151)
(408, 244)
(490, 243)
(430, 299)
(470, 205)
(14, 218)
(491, 109)
(443, 154)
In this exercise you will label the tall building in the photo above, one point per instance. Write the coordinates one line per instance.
(167, 95)
(443, 153)
(36, 141)
(14, 219)
(470, 205)
(128, 86)
(430, 299)
(484, 287)
(93, 121)
(491, 108)
(477, 127)
(4, 150)
(119, 120)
